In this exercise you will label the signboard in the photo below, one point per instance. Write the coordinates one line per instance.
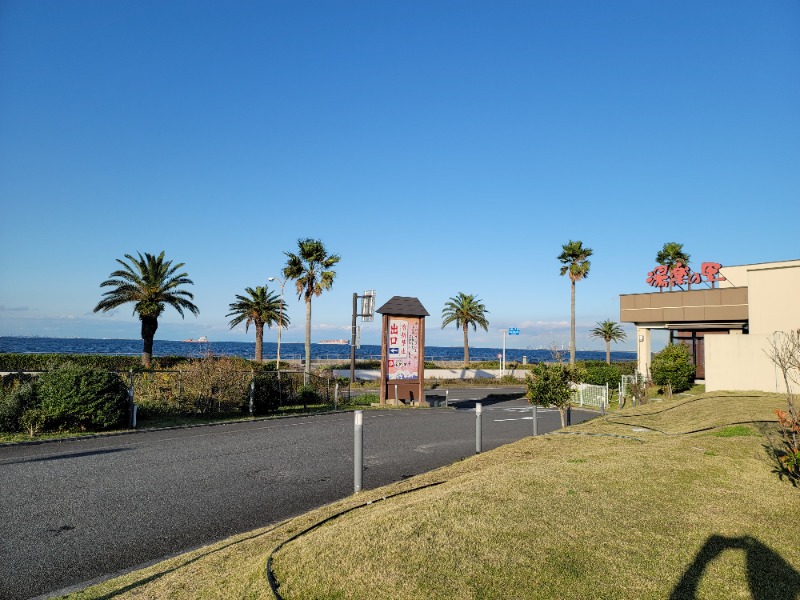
(513, 331)
(403, 349)
(662, 276)
(368, 306)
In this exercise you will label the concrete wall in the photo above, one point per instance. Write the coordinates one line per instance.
(774, 298)
(431, 374)
(740, 362)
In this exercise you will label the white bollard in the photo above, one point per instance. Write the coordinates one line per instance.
(358, 449)
(478, 427)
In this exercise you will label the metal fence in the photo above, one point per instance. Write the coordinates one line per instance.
(586, 394)
(627, 380)
(208, 390)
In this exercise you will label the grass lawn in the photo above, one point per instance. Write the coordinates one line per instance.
(674, 499)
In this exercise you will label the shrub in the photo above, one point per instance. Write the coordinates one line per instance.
(216, 383)
(672, 369)
(364, 399)
(601, 373)
(789, 457)
(73, 397)
(308, 395)
(266, 393)
(14, 401)
(549, 384)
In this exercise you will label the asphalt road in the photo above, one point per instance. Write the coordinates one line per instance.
(76, 511)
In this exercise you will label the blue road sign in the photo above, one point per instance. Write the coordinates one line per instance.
(513, 331)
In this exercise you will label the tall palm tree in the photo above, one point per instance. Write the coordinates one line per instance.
(151, 283)
(260, 307)
(575, 260)
(670, 255)
(465, 310)
(312, 270)
(609, 331)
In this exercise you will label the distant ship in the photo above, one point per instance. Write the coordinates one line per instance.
(202, 339)
(343, 341)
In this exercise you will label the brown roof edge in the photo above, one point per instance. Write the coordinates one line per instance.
(403, 306)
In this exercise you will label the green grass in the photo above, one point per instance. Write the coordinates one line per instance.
(735, 431)
(613, 508)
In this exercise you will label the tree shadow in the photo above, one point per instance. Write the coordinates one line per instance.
(769, 576)
(486, 401)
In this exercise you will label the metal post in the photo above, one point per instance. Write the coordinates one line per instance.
(535, 421)
(446, 397)
(353, 340)
(336, 396)
(478, 426)
(503, 362)
(396, 394)
(131, 405)
(358, 449)
(135, 410)
(252, 391)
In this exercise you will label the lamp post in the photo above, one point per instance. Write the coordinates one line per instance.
(280, 321)
(367, 313)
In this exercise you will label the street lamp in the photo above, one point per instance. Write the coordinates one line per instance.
(280, 321)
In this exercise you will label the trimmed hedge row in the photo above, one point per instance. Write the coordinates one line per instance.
(46, 362)
(68, 398)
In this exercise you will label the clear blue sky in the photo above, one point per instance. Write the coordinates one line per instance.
(437, 146)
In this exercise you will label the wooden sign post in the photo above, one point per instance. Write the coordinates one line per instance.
(403, 351)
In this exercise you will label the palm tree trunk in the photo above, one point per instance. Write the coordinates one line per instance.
(572, 326)
(466, 347)
(608, 352)
(259, 342)
(308, 341)
(149, 327)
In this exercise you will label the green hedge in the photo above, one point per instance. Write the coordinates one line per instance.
(73, 397)
(69, 397)
(46, 362)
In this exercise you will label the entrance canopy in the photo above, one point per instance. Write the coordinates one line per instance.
(688, 316)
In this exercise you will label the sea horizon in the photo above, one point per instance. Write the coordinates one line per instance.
(35, 344)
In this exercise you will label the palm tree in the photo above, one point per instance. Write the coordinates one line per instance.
(670, 255)
(311, 268)
(151, 283)
(465, 310)
(609, 331)
(260, 307)
(575, 260)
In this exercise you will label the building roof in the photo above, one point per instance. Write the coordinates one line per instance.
(403, 306)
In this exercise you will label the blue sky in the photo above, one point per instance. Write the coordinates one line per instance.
(437, 146)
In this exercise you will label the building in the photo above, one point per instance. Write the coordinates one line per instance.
(727, 320)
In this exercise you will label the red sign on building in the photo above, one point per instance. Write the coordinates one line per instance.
(662, 276)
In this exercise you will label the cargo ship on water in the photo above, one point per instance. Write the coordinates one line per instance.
(339, 342)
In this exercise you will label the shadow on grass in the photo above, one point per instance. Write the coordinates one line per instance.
(160, 574)
(769, 576)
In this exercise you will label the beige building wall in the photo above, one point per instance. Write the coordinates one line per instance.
(740, 362)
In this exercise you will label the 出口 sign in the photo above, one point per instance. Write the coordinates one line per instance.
(403, 349)
(662, 276)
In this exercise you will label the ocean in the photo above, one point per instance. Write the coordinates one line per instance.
(289, 351)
